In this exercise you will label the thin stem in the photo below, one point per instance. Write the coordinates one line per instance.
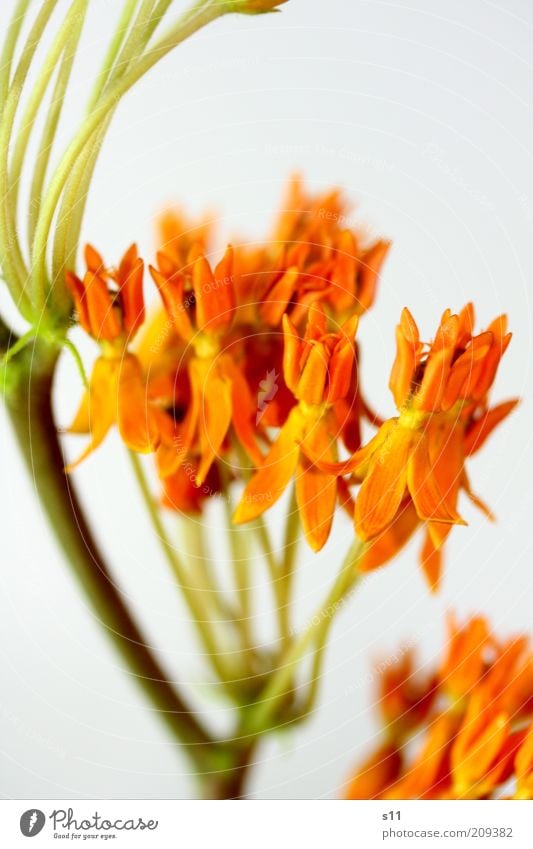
(29, 405)
(42, 158)
(72, 209)
(240, 552)
(193, 20)
(290, 549)
(275, 574)
(112, 52)
(279, 687)
(18, 346)
(196, 606)
(64, 43)
(158, 14)
(318, 659)
(75, 196)
(201, 567)
(12, 260)
(10, 43)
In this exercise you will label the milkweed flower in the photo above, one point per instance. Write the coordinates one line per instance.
(200, 304)
(315, 256)
(319, 370)
(110, 307)
(413, 470)
(473, 720)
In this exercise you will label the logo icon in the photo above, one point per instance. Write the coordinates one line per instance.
(32, 822)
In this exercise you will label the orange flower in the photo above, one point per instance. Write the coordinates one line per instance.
(110, 307)
(414, 468)
(179, 237)
(473, 731)
(314, 257)
(318, 369)
(200, 306)
(109, 314)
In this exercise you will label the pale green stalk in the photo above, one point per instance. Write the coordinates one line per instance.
(112, 52)
(290, 549)
(12, 260)
(159, 13)
(201, 567)
(10, 44)
(281, 684)
(240, 552)
(64, 43)
(193, 20)
(276, 580)
(193, 599)
(42, 158)
(70, 217)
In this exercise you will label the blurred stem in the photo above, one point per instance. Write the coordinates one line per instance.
(239, 543)
(28, 401)
(290, 549)
(201, 566)
(193, 598)
(276, 580)
(280, 686)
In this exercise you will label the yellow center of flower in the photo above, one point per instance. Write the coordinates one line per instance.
(412, 419)
(206, 346)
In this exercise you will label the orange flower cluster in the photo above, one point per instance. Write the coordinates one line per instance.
(463, 732)
(250, 371)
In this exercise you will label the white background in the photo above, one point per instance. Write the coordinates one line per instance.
(421, 111)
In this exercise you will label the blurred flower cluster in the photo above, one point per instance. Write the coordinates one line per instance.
(250, 372)
(464, 731)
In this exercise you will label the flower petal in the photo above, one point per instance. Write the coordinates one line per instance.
(384, 485)
(270, 481)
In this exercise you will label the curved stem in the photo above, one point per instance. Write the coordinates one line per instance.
(65, 44)
(28, 402)
(15, 269)
(290, 549)
(8, 51)
(279, 687)
(42, 158)
(112, 52)
(197, 17)
(200, 615)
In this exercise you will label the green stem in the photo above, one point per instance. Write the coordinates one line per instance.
(15, 269)
(240, 554)
(112, 52)
(280, 686)
(200, 615)
(197, 17)
(275, 574)
(64, 43)
(42, 158)
(8, 51)
(201, 567)
(29, 405)
(290, 550)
